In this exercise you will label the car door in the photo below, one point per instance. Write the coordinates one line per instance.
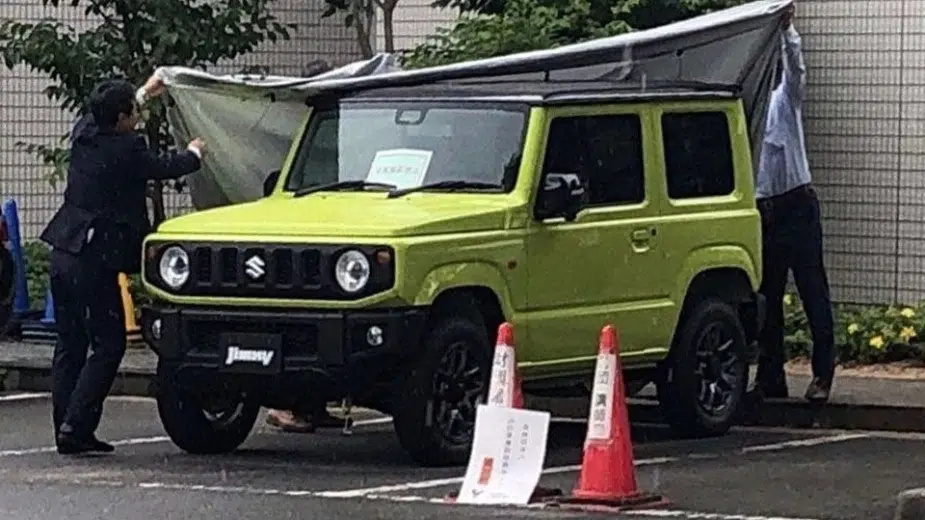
(603, 267)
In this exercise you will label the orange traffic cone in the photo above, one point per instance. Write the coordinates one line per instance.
(608, 475)
(504, 389)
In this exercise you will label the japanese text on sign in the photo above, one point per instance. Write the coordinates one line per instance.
(506, 462)
(403, 168)
(500, 392)
(599, 420)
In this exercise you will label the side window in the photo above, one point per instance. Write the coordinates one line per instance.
(604, 151)
(698, 155)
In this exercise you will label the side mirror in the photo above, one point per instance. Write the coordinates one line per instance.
(270, 182)
(562, 195)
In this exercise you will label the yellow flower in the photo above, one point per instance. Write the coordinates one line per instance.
(908, 313)
(907, 333)
(788, 299)
(853, 328)
(877, 342)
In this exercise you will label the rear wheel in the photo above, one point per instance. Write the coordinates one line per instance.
(220, 426)
(703, 381)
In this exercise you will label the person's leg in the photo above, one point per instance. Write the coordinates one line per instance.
(770, 380)
(813, 286)
(70, 353)
(107, 337)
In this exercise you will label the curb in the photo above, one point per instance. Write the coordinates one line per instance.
(910, 505)
(789, 413)
(30, 379)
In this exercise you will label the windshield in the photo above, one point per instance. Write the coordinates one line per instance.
(409, 144)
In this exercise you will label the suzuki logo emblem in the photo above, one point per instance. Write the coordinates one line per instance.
(255, 266)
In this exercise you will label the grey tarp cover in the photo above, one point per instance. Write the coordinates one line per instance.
(248, 121)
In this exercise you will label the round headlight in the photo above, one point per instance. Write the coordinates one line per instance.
(174, 267)
(352, 271)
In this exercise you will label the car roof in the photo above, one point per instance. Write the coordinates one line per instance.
(545, 92)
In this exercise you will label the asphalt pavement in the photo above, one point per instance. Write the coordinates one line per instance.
(749, 474)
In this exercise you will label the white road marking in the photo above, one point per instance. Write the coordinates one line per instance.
(801, 443)
(24, 396)
(693, 515)
(52, 449)
(237, 490)
(427, 484)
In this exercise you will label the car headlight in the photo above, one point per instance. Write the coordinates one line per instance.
(174, 267)
(352, 271)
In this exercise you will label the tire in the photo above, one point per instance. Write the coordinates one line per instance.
(711, 326)
(190, 428)
(421, 412)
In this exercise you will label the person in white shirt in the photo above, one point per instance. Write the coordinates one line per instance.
(792, 231)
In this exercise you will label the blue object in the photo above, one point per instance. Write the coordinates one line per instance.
(49, 318)
(21, 288)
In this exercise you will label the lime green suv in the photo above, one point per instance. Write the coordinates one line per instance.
(407, 223)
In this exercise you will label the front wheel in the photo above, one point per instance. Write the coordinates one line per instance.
(703, 381)
(436, 403)
(220, 427)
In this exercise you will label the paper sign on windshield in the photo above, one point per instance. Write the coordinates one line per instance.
(403, 168)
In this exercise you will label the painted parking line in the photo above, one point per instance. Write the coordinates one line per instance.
(667, 514)
(435, 483)
(52, 449)
(24, 396)
(147, 440)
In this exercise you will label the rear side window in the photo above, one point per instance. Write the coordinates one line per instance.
(698, 155)
(604, 151)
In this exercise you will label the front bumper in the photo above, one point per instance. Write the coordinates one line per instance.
(333, 345)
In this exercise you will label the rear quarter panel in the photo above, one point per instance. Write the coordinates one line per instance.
(713, 232)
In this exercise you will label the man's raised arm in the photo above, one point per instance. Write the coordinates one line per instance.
(794, 68)
(169, 165)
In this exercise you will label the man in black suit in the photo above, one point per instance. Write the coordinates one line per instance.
(96, 234)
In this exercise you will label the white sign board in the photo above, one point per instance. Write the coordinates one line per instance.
(507, 456)
(403, 167)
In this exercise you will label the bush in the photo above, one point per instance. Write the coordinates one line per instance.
(864, 334)
(38, 259)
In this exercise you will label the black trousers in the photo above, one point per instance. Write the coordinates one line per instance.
(792, 240)
(90, 318)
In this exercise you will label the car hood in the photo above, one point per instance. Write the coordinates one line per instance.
(349, 214)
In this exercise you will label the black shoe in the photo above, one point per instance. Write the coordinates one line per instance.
(68, 444)
(819, 390)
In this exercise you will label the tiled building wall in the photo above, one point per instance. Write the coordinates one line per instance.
(865, 122)
(28, 116)
(415, 20)
(865, 130)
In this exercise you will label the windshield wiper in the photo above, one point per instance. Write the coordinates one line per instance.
(342, 185)
(445, 185)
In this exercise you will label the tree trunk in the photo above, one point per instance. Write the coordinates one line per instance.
(388, 24)
(362, 21)
(155, 188)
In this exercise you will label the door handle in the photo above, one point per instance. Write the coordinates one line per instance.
(641, 235)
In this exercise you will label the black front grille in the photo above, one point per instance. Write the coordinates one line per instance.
(271, 271)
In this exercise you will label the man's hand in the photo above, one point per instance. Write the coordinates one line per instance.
(198, 145)
(154, 86)
(787, 17)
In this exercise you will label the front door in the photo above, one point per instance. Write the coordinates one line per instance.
(605, 266)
